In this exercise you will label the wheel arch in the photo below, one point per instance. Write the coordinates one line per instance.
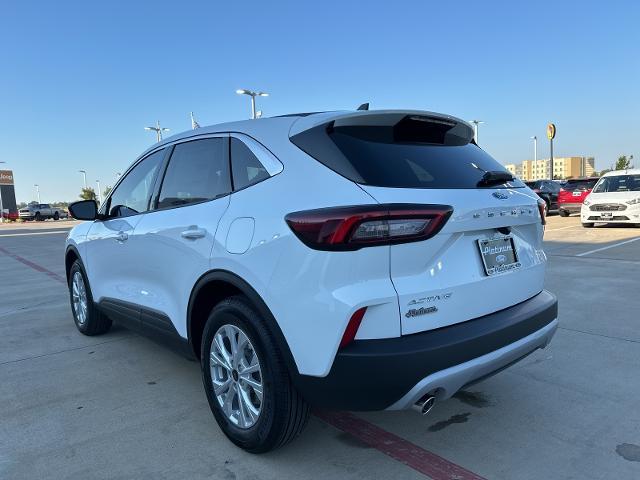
(71, 255)
(213, 287)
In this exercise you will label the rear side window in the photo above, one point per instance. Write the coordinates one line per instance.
(579, 185)
(402, 156)
(198, 171)
(247, 169)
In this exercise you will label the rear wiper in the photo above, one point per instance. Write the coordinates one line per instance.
(494, 177)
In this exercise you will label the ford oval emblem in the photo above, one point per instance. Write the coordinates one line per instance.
(500, 195)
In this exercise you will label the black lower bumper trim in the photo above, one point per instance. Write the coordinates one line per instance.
(374, 374)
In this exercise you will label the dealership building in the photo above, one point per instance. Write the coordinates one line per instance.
(8, 205)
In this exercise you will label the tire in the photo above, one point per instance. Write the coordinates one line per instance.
(587, 225)
(89, 320)
(56, 216)
(564, 213)
(38, 217)
(282, 413)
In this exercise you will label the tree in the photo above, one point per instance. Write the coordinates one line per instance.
(88, 194)
(624, 163)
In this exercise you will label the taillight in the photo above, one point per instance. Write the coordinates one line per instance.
(542, 207)
(355, 227)
(352, 327)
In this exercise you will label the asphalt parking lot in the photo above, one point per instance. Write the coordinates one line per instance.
(121, 406)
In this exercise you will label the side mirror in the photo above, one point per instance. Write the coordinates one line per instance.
(84, 210)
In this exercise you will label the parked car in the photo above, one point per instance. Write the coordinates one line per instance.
(364, 260)
(548, 191)
(573, 193)
(39, 212)
(614, 199)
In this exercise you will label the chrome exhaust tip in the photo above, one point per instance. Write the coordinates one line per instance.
(424, 405)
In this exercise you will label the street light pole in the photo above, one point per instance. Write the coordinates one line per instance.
(1, 206)
(37, 191)
(535, 148)
(158, 129)
(99, 194)
(253, 95)
(475, 129)
(84, 176)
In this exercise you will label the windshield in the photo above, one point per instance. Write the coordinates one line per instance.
(619, 183)
(579, 185)
(532, 184)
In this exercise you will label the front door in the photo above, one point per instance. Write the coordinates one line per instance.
(109, 259)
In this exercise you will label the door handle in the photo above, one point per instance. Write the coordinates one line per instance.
(194, 233)
(122, 236)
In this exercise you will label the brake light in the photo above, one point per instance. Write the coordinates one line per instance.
(355, 227)
(542, 208)
(352, 327)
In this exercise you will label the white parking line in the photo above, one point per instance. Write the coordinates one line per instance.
(32, 233)
(607, 247)
(562, 228)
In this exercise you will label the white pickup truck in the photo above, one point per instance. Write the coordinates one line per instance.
(41, 211)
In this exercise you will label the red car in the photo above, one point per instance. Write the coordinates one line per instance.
(573, 193)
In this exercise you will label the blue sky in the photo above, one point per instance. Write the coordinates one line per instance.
(80, 80)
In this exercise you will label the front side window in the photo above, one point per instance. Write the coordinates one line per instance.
(247, 169)
(132, 195)
(198, 171)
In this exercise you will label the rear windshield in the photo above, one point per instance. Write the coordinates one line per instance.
(383, 156)
(532, 184)
(579, 185)
(619, 183)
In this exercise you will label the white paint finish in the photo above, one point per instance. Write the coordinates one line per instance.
(111, 264)
(169, 265)
(449, 265)
(240, 235)
(583, 254)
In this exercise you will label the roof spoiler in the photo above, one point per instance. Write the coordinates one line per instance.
(405, 126)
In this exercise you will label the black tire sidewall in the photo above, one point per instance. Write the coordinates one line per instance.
(241, 315)
(91, 311)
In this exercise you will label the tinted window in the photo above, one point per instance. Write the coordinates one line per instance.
(580, 185)
(532, 184)
(131, 196)
(413, 165)
(619, 183)
(247, 169)
(198, 171)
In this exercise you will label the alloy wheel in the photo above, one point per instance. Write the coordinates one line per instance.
(236, 376)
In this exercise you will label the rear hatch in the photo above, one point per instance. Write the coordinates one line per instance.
(469, 268)
(576, 190)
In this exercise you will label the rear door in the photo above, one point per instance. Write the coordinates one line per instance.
(173, 242)
(487, 257)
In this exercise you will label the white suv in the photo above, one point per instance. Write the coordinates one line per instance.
(614, 199)
(349, 260)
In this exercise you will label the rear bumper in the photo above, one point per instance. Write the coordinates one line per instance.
(394, 373)
(570, 207)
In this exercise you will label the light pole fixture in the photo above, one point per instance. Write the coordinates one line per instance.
(253, 95)
(475, 128)
(37, 192)
(535, 152)
(118, 175)
(158, 129)
(84, 176)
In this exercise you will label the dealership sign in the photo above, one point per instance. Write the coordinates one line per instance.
(6, 177)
